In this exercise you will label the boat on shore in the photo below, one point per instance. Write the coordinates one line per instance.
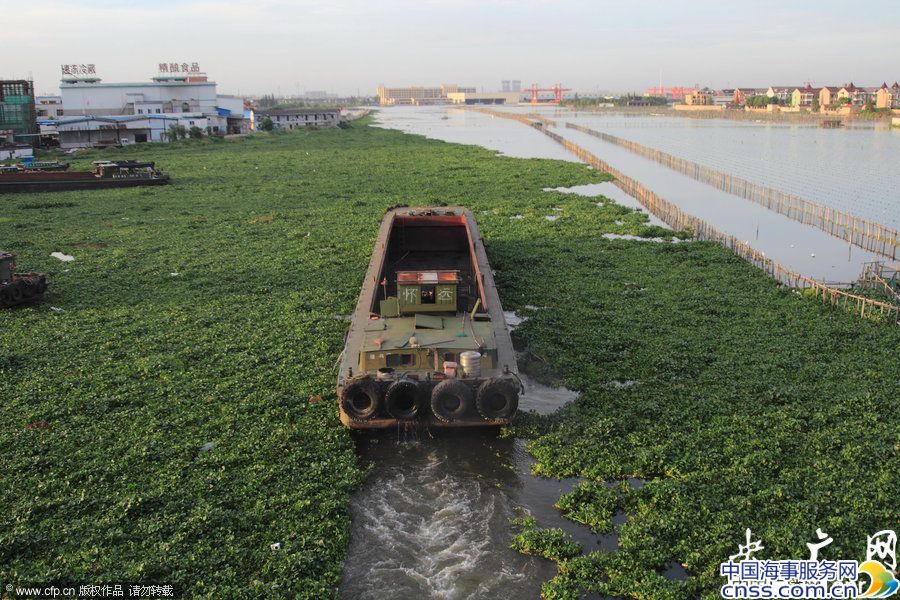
(106, 174)
(428, 342)
(34, 166)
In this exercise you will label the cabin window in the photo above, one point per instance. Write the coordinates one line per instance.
(428, 294)
(450, 356)
(401, 360)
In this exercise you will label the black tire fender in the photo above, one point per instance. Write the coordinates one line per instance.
(360, 399)
(403, 399)
(497, 399)
(450, 400)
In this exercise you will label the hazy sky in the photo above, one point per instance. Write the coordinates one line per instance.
(344, 45)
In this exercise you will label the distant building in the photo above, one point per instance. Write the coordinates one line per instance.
(508, 97)
(828, 96)
(173, 94)
(888, 97)
(702, 97)
(858, 96)
(48, 107)
(804, 97)
(782, 93)
(419, 96)
(297, 118)
(675, 94)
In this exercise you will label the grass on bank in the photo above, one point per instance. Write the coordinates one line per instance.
(755, 407)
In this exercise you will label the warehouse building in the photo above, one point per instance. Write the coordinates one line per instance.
(98, 131)
(95, 113)
(296, 118)
(485, 98)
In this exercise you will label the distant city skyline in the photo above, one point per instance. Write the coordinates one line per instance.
(349, 46)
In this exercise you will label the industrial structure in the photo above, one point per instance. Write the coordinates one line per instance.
(419, 96)
(485, 98)
(536, 96)
(95, 113)
(17, 117)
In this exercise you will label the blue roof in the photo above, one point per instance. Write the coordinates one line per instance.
(114, 118)
(223, 112)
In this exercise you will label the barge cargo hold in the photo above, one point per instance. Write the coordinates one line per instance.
(428, 342)
(106, 174)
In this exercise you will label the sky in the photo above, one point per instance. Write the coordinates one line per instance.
(349, 46)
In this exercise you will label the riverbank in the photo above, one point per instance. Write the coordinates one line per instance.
(799, 117)
(160, 404)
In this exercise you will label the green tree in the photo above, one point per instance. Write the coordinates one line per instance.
(177, 132)
(759, 101)
(195, 132)
(815, 107)
(266, 124)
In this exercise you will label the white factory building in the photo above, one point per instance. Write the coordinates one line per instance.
(97, 113)
(291, 118)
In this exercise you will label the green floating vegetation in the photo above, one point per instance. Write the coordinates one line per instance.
(744, 404)
(552, 544)
(591, 503)
(157, 422)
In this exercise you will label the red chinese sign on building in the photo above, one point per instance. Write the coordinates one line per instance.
(174, 67)
(78, 70)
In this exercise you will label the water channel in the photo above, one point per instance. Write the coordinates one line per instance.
(800, 247)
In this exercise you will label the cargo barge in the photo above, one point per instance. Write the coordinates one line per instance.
(106, 174)
(428, 342)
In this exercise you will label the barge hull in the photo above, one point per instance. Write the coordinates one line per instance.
(368, 299)
(94, 183)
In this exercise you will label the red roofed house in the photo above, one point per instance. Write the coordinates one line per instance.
(828, 96)
(858, 96)
(888, 97)
(803, 97)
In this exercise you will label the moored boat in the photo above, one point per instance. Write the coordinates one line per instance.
(106, 174)
(428, 342)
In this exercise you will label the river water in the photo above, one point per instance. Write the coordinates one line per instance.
(800, 247)
(433, 518)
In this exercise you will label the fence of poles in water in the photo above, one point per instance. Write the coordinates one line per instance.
(679, 220)
(855, 230)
